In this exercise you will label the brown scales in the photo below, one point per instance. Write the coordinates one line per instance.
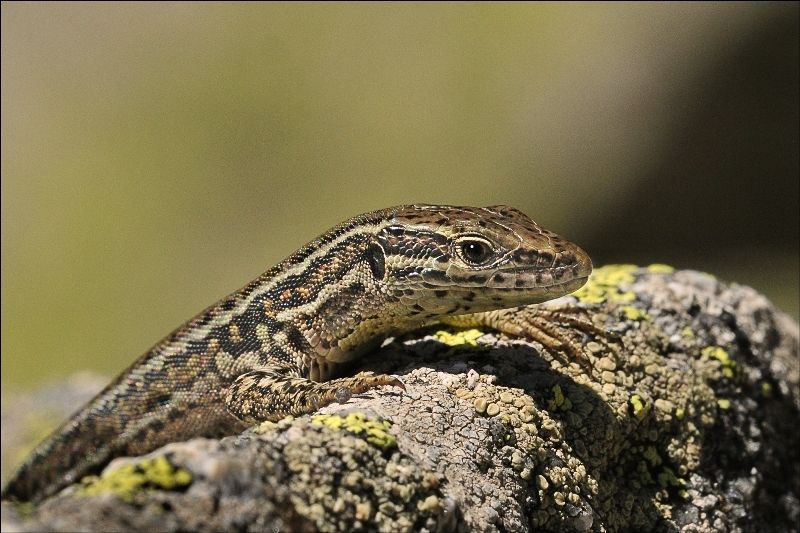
(249, 357)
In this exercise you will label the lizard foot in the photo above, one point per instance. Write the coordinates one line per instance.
(562, 331)
(267, 394)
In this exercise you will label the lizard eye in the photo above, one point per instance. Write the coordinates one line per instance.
(475, 251)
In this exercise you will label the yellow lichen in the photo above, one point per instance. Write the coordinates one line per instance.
(632, 313)
(373, 431)
(717, 353)
(603, 285)
(130, 479)
(640, 406)
(660, 268)
(728, 365)
(267, 425)
(724, 403)
(466, 337)
(559, 401)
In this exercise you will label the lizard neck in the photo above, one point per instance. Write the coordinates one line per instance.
(323, 303)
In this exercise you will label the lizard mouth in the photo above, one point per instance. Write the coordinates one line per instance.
(563, 278)
(566, 287)
(521, 292)
(545, 282)
(535, 290)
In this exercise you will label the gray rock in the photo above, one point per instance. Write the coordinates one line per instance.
(698, 433)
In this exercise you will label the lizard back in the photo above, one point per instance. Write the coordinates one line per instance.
(257, 353)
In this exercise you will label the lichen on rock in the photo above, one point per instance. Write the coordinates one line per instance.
(688, 423)
(128, 480)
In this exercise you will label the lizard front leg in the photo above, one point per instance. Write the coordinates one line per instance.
(561, 331)
(279, 390)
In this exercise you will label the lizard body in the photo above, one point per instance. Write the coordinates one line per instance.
(271, 348)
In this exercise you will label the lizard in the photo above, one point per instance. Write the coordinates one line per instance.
(273, 348)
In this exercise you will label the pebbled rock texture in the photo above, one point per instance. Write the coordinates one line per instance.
(689, 423)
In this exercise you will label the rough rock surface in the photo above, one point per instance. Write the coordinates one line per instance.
(690, 423)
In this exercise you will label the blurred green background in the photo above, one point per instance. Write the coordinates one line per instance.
(156, 157)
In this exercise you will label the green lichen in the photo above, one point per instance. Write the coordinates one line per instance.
(766, 389)
(559, 402)
(603, 285)
(267, 425)
(463, 338)
(632, 313)
(640, 406)
(373, 431)
(718, 353)
(729, 368)
(667, 478)
(130, 479)
(724, 403)
(651, 454)
(687, 333)
(680, 412)
(660, 268)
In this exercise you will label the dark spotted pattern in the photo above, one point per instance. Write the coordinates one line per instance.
(269, 349)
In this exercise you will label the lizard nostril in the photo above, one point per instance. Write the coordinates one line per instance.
(580, 260)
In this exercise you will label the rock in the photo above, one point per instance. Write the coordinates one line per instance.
(698, 433)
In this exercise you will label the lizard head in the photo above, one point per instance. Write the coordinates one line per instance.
(453, 260)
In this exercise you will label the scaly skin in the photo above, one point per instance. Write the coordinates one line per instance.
(270, 349)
